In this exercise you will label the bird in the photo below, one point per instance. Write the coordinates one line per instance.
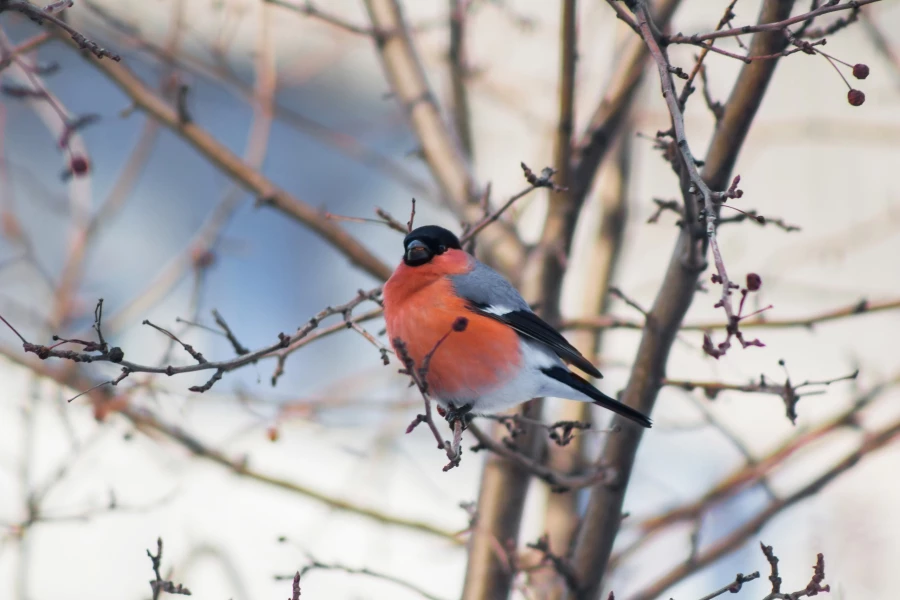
(480, 347)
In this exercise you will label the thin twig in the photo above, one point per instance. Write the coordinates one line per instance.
(544, 180)
(419, 376)
(160, 585)
(680, 38)
(862, 307)
(267, 193)
(317, 565)
(39, 15)
(309, 9)
(734, 587)
(558, 482)
(95, 353)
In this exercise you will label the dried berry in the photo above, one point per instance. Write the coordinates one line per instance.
(754, 281)
(79, 165)
(856, 97)
(460, 324)
(116, 354)
(860, 71)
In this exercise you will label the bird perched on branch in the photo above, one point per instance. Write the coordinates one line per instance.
(473, 337)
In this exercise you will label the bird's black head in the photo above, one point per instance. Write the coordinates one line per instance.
(424, 243)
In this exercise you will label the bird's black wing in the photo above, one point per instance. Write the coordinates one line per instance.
(529, 325)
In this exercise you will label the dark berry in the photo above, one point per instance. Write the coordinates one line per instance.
(856, 97)
(79, 165)
(860, 71)
(754, 281)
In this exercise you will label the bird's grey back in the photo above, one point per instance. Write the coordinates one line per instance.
(486, 287)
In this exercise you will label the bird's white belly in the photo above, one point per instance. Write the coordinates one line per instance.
(529, 382)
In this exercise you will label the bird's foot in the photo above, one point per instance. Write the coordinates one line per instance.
(463, 414)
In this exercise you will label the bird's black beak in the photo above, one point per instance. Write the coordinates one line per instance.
(417, 253)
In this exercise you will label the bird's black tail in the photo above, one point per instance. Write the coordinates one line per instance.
(572, 380)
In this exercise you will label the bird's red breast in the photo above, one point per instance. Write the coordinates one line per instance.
(420, 307)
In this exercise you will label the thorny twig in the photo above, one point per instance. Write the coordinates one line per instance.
(159, 584)
(100, 352)
(39, 15)
(709, 198)
(419, 376)
(753, 283)
(560, 432)
(790, 393)
(813, 588)
(558, 482)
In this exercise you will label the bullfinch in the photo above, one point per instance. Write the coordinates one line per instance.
(505, 354)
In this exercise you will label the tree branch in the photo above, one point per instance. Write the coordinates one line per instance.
(862, 307)
(39, 15)
(829, 7)
(267, 193)
(603, 515)
(443, 155)
(459, 76)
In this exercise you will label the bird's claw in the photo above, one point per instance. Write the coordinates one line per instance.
(463, 414)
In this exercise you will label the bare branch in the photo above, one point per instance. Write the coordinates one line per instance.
(239, 348)
(773, 26)
(317, 565)
(419, 376)
(862, 307)
(309, 9)
(267, 193)
(788, 392)
(544, 180)
(871, 442)
(39, 15)
(558, 482)
(602, 517)
(144, 419)
(160, 585)
(93, 352)
(734, 587)
(444, 157)
(459, 75)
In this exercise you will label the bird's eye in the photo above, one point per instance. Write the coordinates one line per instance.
(442, 249)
